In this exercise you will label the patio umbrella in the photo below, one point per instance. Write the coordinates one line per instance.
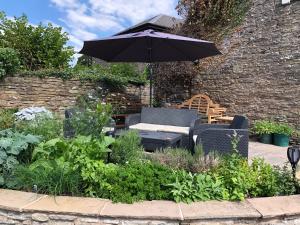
(149, 46)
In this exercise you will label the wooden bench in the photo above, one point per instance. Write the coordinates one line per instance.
(205, 106)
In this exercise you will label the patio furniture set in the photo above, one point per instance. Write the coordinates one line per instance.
(164, 127)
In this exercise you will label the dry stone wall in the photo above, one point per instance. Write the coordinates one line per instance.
(57, 94)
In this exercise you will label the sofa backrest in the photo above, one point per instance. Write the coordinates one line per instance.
(167, 116)
(239, 122)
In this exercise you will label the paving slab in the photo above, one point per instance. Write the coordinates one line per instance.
(277, 206)
(218, 210)
(272, 154)
(150, 209)
(64, 204)
(16, 200)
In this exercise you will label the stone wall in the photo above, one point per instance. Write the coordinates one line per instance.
(259, 71)
(57, 94)
(25, 208)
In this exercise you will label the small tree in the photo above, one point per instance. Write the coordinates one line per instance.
(38, 46)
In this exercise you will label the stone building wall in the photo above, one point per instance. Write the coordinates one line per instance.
(259, 72)
(57, 94)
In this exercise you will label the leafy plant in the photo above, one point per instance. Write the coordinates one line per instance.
(263, 127)
(90, 121)
(190, 187)
(285, 181)
(285, 129)
(14, 148)
(129, 183)
(42, 125)
(7, 118)
(127, 148)
(9, 62)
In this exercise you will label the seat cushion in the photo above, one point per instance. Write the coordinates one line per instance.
(195, 138)
(158, 127)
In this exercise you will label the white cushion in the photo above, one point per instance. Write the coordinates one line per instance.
(195, 138)
(157, 127)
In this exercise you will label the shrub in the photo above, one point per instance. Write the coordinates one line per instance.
(263, 127)
(90, 121)
(42, 125)
(7, 118)
(14, 148)
(182, 159)
(285, 129)
(127, 148)
(190, 187)
(130, 183)
(286, 185)
(51, 52)
(9, 62)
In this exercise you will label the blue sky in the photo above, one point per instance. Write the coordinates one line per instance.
(88, 19)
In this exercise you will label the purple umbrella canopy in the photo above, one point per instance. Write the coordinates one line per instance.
(149, 46)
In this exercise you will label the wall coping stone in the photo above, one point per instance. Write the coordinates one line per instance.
(256, 208)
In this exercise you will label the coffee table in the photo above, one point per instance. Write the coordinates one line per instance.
(153, 140)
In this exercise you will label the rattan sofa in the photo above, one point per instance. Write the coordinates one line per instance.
(181, 121)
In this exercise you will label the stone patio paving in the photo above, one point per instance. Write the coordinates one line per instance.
(272, 154)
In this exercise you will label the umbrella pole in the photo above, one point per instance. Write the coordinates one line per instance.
(151, 84)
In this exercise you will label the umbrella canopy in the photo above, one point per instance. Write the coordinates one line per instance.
(149, 46)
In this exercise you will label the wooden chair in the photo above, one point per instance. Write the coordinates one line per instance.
(205, 106)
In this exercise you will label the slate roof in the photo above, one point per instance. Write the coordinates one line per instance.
(160, 22)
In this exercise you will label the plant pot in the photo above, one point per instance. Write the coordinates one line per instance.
(281, 140)
(266, 138)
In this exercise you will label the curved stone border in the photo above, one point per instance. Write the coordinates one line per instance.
(29, 208)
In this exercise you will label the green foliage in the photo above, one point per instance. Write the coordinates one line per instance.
(285, 129)
(265, 179)
(213, 13)
(49, 177)
(127, 148)
(285, 181)
(130, 183)
(7, 118)
(115, 75)
(190, 187)
(91, 120)
(42, 125)
(38, 46)
(64, 74)
(74, 150)
(263, 127)
(9, 62)
(182, 159)
(14, 148)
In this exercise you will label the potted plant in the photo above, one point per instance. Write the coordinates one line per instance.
(282, 134)
(264, 129)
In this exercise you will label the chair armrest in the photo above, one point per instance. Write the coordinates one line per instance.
(132, 119)
(202, 127)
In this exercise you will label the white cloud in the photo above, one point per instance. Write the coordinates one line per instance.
(87, 19)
